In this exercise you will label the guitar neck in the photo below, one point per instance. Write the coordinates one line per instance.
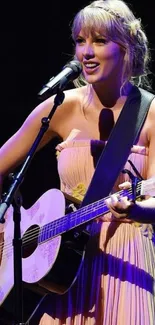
(81, 216)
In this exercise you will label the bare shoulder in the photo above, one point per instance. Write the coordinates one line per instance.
(152, 108)
(151, 113)
(74, 96)
(151, 118)
(70, 107)
(150, 133)
(72, 100)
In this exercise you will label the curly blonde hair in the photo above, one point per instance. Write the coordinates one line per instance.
(117, 22)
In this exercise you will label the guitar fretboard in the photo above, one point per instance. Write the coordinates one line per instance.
(79, 217)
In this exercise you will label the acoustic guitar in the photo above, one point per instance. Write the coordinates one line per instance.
(53, 243)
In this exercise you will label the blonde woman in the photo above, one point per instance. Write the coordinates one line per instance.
(116, 283)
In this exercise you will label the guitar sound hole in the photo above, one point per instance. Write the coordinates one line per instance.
(30, 241)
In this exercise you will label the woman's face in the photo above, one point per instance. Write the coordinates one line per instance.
(101, 59)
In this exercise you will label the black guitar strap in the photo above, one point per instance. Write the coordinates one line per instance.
(115, 154)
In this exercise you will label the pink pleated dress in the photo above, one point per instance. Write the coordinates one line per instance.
(115, 285)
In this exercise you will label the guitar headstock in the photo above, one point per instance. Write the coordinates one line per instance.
(148, 187)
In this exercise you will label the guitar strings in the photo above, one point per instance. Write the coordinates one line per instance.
(33, 234)
(60, 222)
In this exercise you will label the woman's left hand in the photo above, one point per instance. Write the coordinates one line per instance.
(119, 206)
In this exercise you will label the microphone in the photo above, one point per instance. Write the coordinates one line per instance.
(70, 72)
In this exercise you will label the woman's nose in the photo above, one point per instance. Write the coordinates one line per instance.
(88, 51)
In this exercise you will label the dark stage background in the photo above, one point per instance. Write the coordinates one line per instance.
(35, 44)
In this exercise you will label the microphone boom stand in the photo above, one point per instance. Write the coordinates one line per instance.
(13, 196)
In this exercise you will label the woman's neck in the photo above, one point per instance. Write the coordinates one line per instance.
(108, 96)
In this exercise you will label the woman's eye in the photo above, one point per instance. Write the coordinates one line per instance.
(79, 40)
(101, 40)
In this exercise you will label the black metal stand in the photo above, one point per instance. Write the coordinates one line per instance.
(13, 196)
(17, 245)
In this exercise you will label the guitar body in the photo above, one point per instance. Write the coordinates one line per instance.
(50, 266)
